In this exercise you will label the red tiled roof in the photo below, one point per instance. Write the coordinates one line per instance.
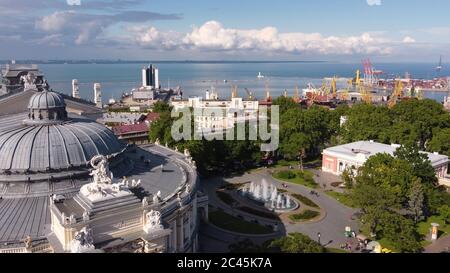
(151, 117)
(130, 128)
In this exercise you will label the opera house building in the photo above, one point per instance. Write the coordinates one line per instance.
(67, 184)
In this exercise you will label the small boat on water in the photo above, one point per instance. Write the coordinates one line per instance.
(260, 76)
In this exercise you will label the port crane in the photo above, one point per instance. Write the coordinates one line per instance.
(234, 91)
(366, 94)
(371, 75)
(250, 97)
(344, 94)
(396, 95)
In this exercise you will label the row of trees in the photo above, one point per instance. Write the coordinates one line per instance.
(212, 157)
(421, 122)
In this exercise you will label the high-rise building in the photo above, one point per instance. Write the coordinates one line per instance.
(75, 89)
(156, 77)
(98, 95)
(144, 77)
(150, 77)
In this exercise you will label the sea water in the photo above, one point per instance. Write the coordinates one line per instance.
(196, 78)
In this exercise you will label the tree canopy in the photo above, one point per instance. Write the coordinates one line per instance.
(297, 243)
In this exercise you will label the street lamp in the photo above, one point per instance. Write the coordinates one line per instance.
(318, 237)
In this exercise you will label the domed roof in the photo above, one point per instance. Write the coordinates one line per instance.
(46, 100)
(53, 147)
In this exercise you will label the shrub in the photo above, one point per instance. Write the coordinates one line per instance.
(305, 215)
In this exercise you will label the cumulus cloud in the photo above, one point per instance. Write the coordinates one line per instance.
(408, 40)
(374, 2)
(213, 36)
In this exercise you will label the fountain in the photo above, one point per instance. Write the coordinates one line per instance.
(269, 195)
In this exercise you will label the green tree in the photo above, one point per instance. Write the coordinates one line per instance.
(420, 163)
(304, 130)
(416, 201)
(348, 177)
(161, 129)
(401, 232)
(444, 211)
(161, 107)
(297, 243)
(440, 142)
(367, 122)
(416, 120)
(285, 104)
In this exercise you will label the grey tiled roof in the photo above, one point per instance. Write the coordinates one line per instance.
(52, 147)
(22, 217)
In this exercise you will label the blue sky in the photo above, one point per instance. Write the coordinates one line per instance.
(342, 30)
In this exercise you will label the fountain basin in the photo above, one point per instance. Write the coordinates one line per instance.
(268, 195)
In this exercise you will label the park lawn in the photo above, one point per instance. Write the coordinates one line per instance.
(342, 198)
(304, 178)
(285, 163)
(423, 228)
(234, 224)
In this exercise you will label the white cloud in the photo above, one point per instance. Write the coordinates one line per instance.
(150, 37)
(408, 40)
(213, 36)
(54, 22)
(374, 2)
(74, 2)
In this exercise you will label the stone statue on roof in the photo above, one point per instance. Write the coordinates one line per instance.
(103, 181)
(28, 81)
(28, 242)
(83, 241)
(153, 221)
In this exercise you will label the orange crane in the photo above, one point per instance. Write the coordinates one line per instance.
(366, 94)
(334, 87)
(396, 95)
